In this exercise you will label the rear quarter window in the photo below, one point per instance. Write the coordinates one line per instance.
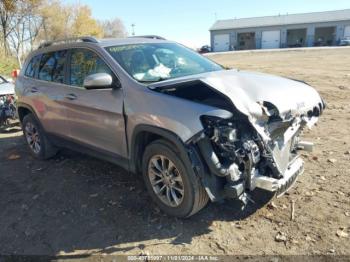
(32, 68)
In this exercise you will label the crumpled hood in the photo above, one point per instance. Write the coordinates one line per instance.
(245, 89)
(249, 90)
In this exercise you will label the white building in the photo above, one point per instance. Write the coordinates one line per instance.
(291, 30)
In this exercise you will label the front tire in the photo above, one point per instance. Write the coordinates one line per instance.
(39, 145)
(173, 187)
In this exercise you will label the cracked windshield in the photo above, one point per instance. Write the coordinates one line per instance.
(160, 61)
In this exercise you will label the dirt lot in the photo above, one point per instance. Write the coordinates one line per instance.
(74, 204)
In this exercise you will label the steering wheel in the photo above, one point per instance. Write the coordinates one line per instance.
(175, 71)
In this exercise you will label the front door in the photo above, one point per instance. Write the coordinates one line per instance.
(95, 117)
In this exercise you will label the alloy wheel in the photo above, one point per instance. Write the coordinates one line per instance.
(166, 180)
(33, 139)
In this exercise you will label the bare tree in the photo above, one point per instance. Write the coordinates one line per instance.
(17, 27)
(24, 28)
(7, 10)
(35, 23)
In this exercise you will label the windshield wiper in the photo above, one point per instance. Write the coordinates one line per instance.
(154, 81)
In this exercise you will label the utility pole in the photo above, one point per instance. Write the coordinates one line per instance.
(133, 29)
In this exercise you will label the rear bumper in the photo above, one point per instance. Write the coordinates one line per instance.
(280, 186)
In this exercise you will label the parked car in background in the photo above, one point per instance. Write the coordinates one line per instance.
(6, 87)
(194, 130)
(8, 109)
(204, 49)
(345, 41)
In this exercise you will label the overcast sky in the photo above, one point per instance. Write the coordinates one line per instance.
(188, 21)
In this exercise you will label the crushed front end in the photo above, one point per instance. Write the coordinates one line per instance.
(245, 155)
(251, 131)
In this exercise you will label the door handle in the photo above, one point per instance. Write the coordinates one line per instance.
(71, 96)
(34, 90)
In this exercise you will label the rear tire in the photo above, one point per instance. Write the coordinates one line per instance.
(39, 145)
(173, 187)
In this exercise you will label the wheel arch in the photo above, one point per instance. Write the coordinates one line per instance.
(143, 135)
(23, 110)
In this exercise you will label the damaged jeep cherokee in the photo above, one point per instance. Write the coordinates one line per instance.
(195, 131)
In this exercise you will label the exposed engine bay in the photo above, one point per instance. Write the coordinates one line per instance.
(248, 150)
(234, 150)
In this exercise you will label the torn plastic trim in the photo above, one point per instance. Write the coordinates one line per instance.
(213, 184)
(258, 112)
(280, 186)
(292, 126)
(305, 145)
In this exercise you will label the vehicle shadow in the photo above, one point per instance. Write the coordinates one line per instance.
(77, 203)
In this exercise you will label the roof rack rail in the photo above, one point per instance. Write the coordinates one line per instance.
(148, 36)
(88, 39)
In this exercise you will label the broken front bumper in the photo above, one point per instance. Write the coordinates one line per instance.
(280, 186)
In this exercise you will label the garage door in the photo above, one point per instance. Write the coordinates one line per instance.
(221, 43)
(270, 39)
(347, 31)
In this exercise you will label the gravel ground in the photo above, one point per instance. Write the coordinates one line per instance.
(75, 204)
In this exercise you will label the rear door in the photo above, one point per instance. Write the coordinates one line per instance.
(95, 117)
(46, 89)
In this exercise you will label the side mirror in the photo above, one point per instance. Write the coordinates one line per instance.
(98, 81)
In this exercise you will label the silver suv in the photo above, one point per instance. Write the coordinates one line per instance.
(193, 129)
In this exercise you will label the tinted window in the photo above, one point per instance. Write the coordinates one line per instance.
(52, 66)
(32, 67)
(83, 63)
